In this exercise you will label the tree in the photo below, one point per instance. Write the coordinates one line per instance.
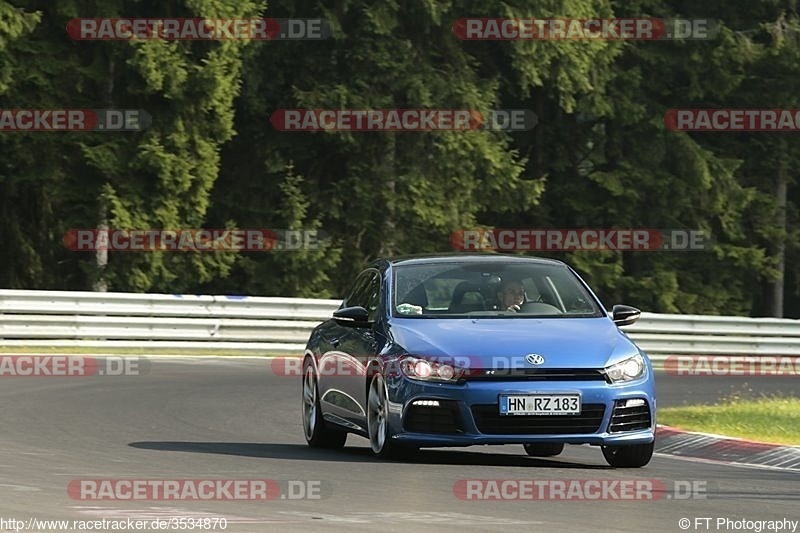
(160, 178)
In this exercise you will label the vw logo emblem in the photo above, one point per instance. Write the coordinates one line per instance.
(534, 359)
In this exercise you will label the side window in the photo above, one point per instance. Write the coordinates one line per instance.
(366, 292)
(355, 297)
(373, 296)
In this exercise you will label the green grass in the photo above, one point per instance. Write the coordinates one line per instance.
(774, 419)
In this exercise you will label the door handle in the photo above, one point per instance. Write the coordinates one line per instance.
(335, 342)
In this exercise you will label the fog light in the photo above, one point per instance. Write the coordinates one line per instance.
(426, 403)
(636, 402)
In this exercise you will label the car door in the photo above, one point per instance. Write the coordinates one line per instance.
(367, 342)
(343, 368)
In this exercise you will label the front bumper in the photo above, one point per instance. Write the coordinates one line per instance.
(476, 406)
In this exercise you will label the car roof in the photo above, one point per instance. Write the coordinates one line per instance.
(468, 258)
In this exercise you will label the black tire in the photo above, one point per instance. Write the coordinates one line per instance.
(316, 431)
(380, 440)
(544, 449)
(631, 456)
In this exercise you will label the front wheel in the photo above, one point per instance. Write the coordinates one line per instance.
(317, 435)
(378, 422)
(630, 456)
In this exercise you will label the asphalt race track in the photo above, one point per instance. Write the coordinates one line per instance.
(216, 418)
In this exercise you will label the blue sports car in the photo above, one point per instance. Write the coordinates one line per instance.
(487, 349)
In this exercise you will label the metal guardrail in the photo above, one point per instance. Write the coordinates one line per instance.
(158, 321)
(667, 334)
(258, 325)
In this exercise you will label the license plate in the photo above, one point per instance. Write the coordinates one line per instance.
(540, 404)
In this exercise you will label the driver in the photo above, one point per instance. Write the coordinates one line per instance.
(511, 295)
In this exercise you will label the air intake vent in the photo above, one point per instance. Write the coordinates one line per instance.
(630, 415)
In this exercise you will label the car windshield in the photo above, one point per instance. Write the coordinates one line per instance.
(490, 289)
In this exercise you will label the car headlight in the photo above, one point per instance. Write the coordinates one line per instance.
(627, 370)
(429, 369)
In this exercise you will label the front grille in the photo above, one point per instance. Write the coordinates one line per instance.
(491, 422)
(629, 418)
(535, 374)
(427, 419)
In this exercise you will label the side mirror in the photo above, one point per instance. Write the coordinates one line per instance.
(624, 315)
(352, 316)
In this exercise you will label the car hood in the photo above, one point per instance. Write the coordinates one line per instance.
(563, 342)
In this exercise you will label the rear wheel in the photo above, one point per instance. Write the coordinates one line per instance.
(317, 434)
(630, 456)
(544, 450)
